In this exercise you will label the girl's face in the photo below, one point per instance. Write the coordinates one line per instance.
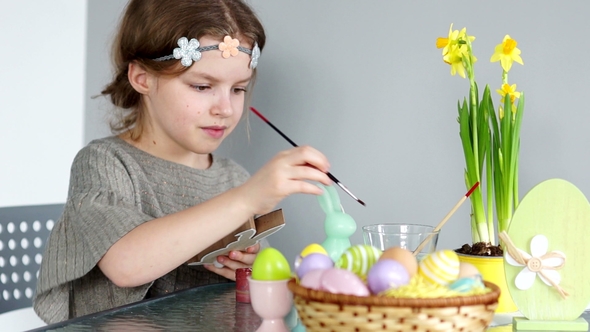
(188, 116)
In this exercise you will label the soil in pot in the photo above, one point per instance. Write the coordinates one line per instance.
(481, 249)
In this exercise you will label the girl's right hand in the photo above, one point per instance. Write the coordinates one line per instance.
(287, 173)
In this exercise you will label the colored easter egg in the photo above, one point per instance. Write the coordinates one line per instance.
(404, 256)
(387, 274)
(464, 285)
(359, 259)
(270, 264)
(313, 248)
(467, 270)
(340, 281)
(440, 267)
(313, 262)
(312, 279)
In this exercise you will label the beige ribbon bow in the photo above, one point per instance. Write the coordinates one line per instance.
(540, 262)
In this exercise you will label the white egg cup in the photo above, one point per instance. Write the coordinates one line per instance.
(271, 300)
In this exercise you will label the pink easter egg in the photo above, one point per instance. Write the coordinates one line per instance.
(312, 279)
(312, 262)
(341, 281)
(387, 274)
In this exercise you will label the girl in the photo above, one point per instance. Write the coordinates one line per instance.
(143, 202)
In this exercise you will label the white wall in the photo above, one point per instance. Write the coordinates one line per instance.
(363, 82)
(42, 65)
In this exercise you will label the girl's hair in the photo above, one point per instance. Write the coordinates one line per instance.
(150, 29)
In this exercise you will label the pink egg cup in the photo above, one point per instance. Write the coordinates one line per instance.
(272, 301)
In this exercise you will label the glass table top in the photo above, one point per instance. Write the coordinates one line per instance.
(207, 308)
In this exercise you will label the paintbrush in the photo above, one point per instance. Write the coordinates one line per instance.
(445, 219)
(332, 177)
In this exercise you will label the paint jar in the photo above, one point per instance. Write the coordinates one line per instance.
(242, 286)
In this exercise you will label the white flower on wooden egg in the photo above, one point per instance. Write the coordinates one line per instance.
(538, 262)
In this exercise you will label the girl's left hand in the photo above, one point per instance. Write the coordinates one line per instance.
(235, 260)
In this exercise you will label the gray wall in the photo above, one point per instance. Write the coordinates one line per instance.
(363, 82)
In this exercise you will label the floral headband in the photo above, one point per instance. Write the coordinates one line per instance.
(190, 51)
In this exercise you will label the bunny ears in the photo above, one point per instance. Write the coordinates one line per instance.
(329, 200)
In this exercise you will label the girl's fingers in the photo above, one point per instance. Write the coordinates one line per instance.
(253, 249)
(306, 155)
(309, 173)
(224, 271)
(242, 257)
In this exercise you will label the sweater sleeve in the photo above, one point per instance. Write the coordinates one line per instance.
(102, 206)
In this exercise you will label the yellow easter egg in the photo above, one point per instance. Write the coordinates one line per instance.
(359, 259)
(440, 267)
(313, 249)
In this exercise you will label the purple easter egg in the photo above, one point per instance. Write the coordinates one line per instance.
(314, 261)
(387, 274)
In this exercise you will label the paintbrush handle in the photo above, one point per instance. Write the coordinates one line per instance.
(332, 177)
(445, 219)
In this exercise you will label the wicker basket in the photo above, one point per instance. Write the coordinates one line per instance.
(323, 311)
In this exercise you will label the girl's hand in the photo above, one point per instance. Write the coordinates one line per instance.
(287, 173)
(235, 260)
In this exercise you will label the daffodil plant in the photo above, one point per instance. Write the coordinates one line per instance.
(490, 140)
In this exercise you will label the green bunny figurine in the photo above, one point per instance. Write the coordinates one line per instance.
(338, 225)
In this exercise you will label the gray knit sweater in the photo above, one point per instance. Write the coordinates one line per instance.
(115, 187)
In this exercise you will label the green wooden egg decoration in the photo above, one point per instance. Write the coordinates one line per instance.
(551, 226)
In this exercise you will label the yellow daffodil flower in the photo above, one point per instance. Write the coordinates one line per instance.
(455, 38)
(509, 90)
(448, 42)
(501, 111)
(507, 53)
(456, 50)
(455, 58)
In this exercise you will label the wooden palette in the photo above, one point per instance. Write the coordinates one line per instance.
(559, 211)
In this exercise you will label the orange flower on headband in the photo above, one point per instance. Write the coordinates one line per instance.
(229, 47)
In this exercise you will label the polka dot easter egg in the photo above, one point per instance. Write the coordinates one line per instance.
(359, 259)
(440, 267)
(270, 264)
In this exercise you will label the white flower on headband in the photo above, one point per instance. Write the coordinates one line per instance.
(539, 262)
(229, 47)
(188, 51)
(255, 56)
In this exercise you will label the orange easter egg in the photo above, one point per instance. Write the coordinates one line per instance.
(402, 256)
(467, 270)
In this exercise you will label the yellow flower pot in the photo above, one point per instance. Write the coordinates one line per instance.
(492, 270)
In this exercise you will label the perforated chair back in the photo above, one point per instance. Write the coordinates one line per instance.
(23, 233)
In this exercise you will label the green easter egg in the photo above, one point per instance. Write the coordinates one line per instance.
(270, 264)
(359, 259)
